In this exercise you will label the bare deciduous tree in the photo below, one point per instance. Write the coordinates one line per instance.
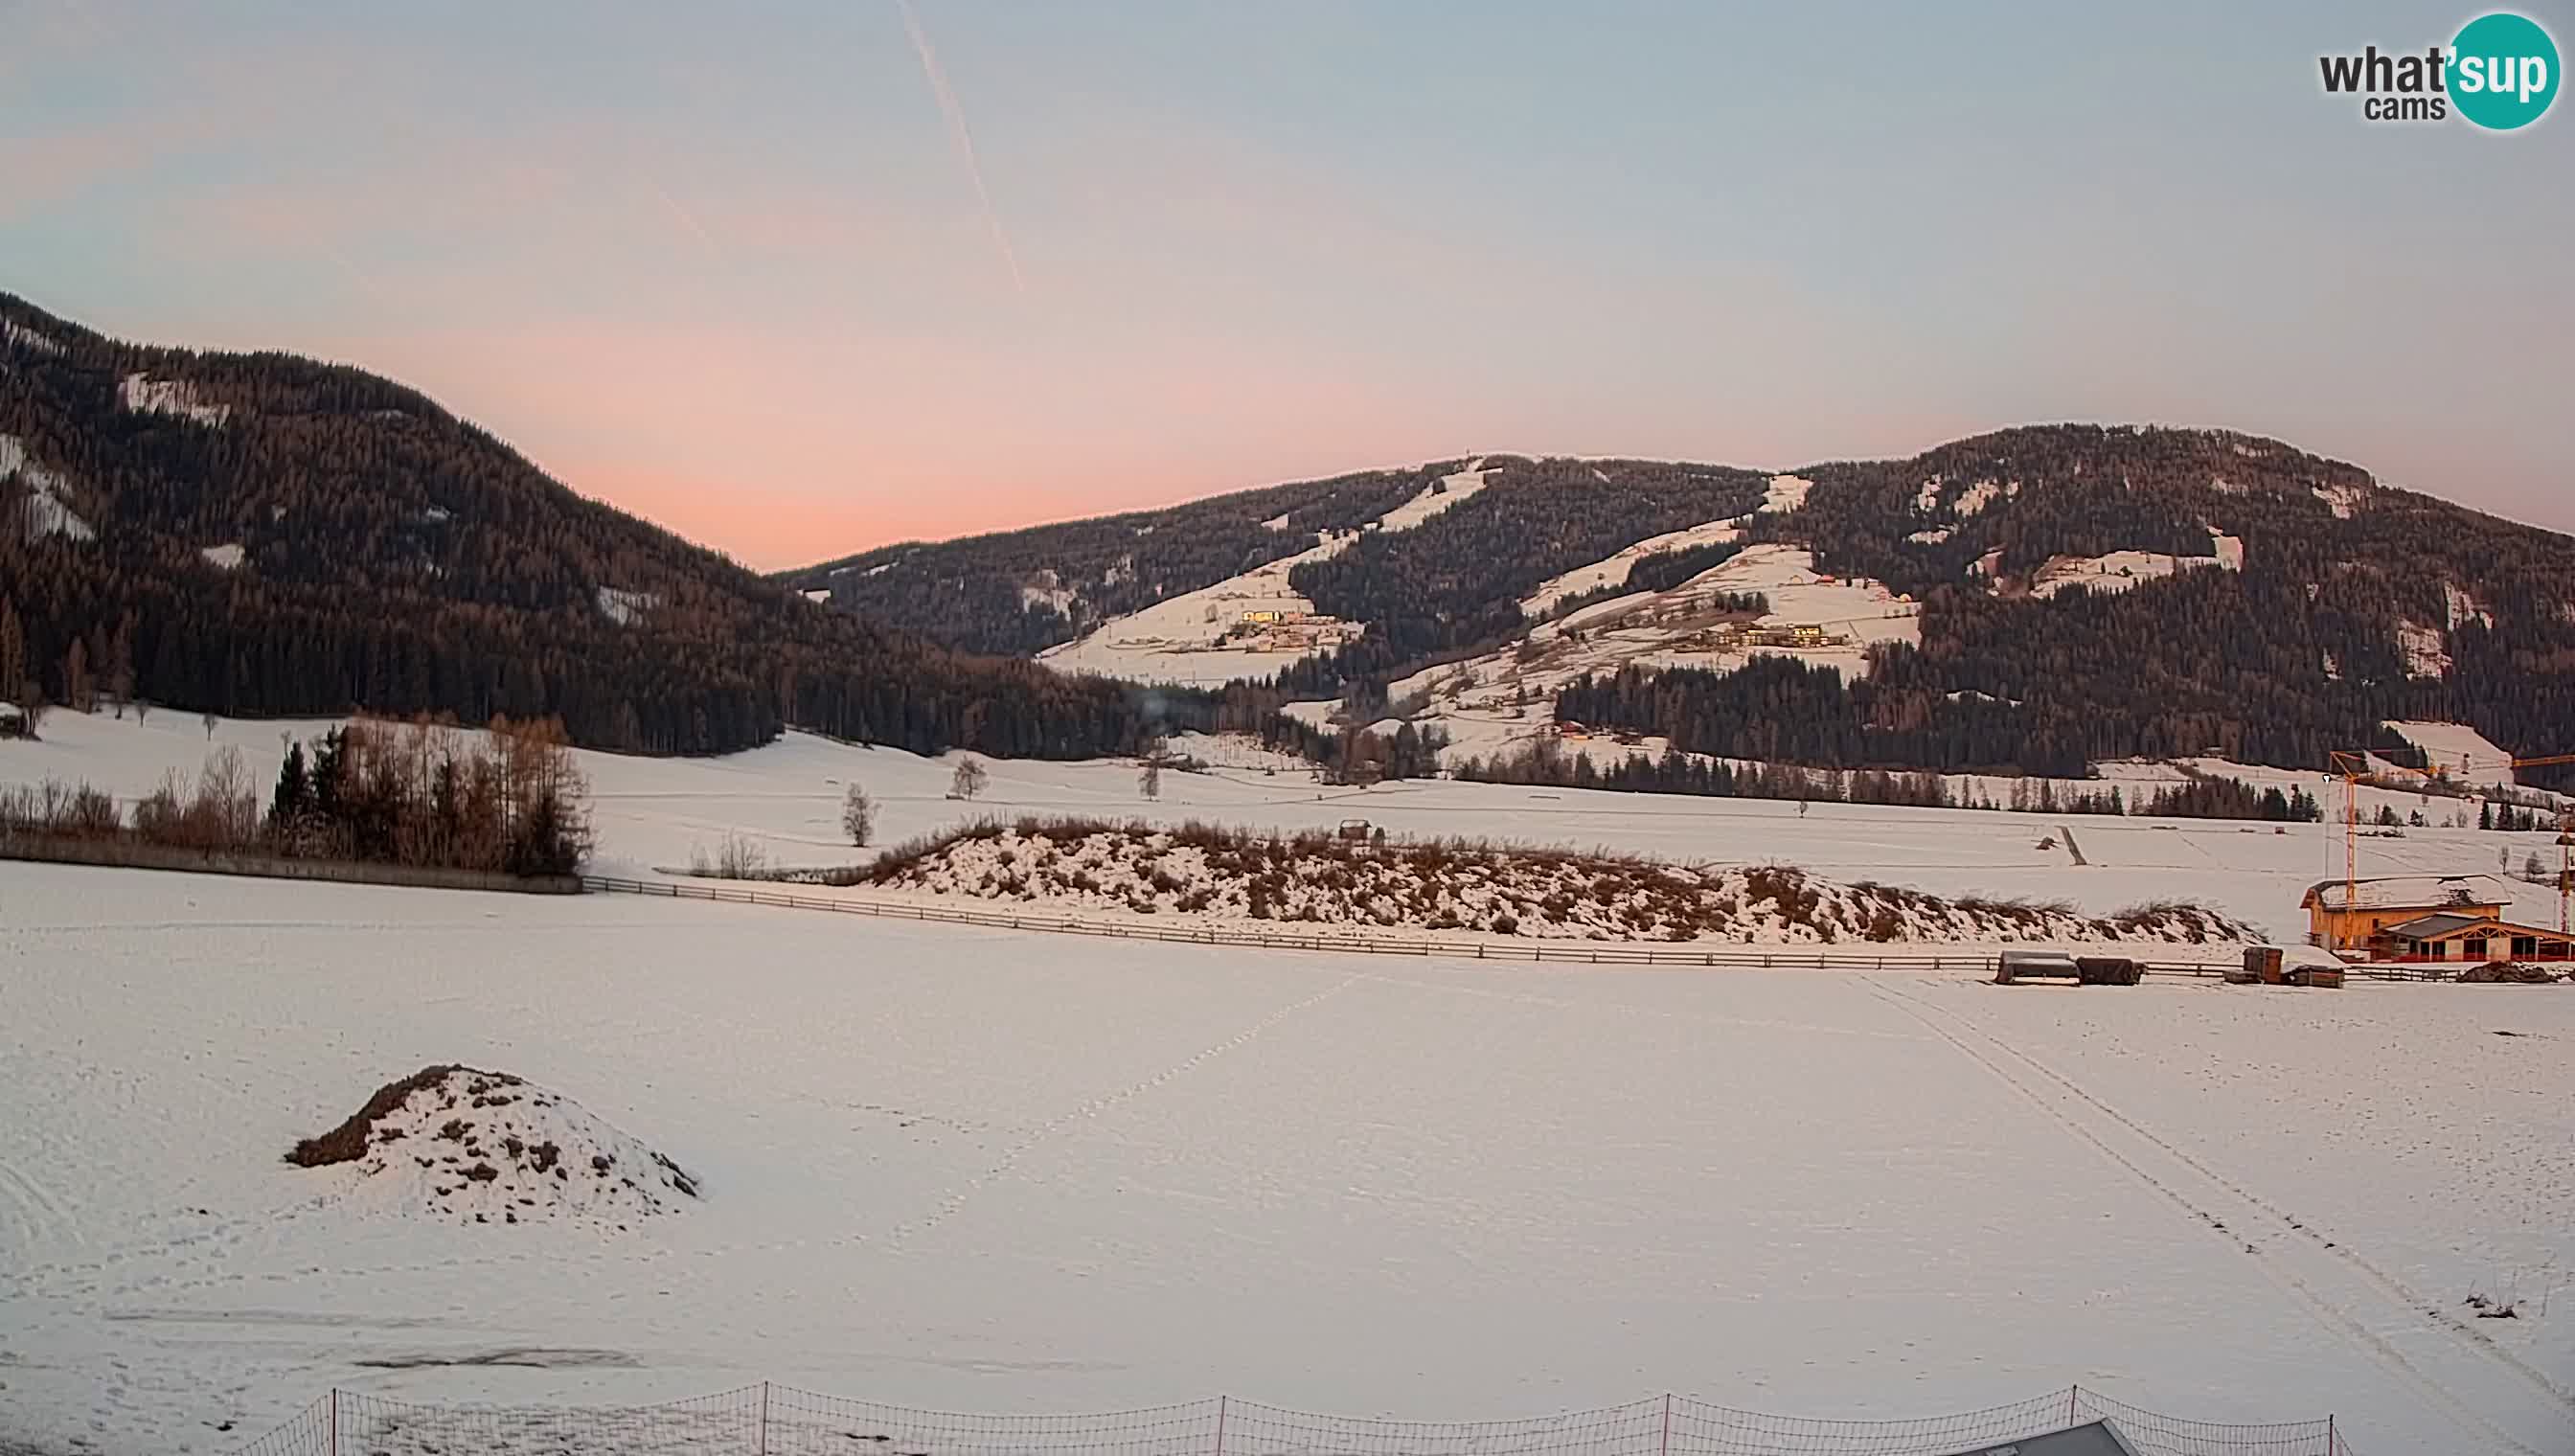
(735, 856)
(857, 815)
(1150, 782)
(969, 780)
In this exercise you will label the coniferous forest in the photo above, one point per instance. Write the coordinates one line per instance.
(265, 535)
(2340, 604)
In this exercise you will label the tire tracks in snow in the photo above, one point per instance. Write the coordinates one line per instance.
(2347, 1283)
(36, 1208)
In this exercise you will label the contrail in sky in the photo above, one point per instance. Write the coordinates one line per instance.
(964, 138)
(687, 218)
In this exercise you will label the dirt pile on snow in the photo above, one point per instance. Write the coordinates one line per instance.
(1317, 878)
(2496, 971)
(473, 1146)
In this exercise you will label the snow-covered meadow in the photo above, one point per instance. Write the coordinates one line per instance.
(981, 1171)
(656, 813)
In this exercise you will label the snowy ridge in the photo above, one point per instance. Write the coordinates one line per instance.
(227, 557)
(1612, 570)
(1318, 880)
(469, 1147)
(147, 396)
(1451, 490)
(2343, 500)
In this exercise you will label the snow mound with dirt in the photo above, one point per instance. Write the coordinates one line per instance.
(471, 1147)
(1242, 877)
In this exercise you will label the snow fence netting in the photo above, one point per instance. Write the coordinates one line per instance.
(777, 1420)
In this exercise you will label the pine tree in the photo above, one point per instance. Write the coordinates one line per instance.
(13, 654)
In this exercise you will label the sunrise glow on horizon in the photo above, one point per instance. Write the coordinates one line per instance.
(803, 279)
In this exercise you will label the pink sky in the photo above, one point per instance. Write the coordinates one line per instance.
(742, 277)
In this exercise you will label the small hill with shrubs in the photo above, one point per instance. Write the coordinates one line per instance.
(1317, 878)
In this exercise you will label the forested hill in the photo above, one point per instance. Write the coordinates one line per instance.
(262, 534)
(2085, 592)
(1022, 591)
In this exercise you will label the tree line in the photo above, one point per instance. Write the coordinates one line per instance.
(339, 543)
(509, 800)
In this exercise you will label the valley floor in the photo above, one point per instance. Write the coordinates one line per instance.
(988, 1171)
(784, 798)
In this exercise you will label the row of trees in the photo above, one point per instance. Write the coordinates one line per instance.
(2232, 799)
(511, 799)
(1546, 762)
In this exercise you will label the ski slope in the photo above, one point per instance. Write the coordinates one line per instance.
(979, 1170)
(1222, 632)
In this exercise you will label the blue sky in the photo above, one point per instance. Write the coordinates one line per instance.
(730, 268)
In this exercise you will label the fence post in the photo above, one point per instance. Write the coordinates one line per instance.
(335, 1421)
(1221, 1403)
(2333, 1442)
(763, 1418)
(2072, 1393)
(1667, 1448)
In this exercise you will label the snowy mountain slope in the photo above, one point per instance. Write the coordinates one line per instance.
(2244, 587)
(1247, 625)
(1612, 569)
(1685, 625)
(260, 532)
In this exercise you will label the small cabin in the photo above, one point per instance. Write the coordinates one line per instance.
(2453, 936)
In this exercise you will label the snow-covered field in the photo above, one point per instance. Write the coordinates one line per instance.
(1479, 701)
(1225, 630)
(981, 1171)
(654, 813)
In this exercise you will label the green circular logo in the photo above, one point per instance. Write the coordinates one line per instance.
(2503, 71)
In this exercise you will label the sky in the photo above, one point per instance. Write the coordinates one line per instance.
(799, 279)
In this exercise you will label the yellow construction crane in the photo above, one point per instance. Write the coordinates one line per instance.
(2353, 767)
